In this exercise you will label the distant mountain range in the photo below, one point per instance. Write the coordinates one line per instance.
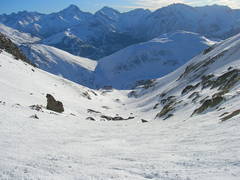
(107, 31)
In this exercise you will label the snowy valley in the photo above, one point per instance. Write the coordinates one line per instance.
(166, 108)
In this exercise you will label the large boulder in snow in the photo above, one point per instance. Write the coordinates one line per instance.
(54, 105)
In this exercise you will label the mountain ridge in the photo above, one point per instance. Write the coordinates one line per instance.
(91, 29)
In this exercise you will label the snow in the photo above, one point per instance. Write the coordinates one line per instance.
(148, 60)
(59, 62)
(67, 146)
(81, 143)
(106, 30)
(17, 37)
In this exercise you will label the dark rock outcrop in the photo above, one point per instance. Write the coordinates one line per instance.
(7, 45)
(144, 121)
(233, 114)
(54, 105)
(34, 116)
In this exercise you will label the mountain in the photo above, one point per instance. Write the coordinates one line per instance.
(108, 30)
(18, 37)
(95, 40)
(51, 59)
(62, 63)
(148, 60)
(44, 25)
(100, 134)
(71, 43)
(206, 86)
(211, 21)
(23, 21)
(8, 46)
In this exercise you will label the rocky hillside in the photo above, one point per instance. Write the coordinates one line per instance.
(206, 86)
(8, 46)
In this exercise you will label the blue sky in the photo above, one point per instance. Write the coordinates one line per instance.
(47, 6)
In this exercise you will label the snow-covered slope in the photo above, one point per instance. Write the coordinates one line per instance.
(67, 146)
(207, 86)
(16, 36)
(59, 62)
(51, 59)
(152, 59)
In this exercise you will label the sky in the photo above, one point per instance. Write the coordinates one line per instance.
(48, 6)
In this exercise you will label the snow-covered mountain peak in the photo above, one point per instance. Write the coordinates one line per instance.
(72, 7)
(138, 11)
(108, 12)
(176, 7)
(73, 11)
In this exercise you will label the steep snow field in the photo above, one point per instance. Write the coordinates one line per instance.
(59, 62)
(68, 146)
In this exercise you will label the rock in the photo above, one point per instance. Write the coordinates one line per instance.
(233, 114)
(132, 94)
(109, 118)
(54, 105)
(168, 116)
(116, 118)
(36, 107)
(90, 118)
(7, 45)
(130, 117)
(2, 102)
(189, 88)
(209, 49)
(146, 83)
(144, 121)
(209, 103)
(168, 107)
(34, 116)
(86, 95)
(92, 111)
